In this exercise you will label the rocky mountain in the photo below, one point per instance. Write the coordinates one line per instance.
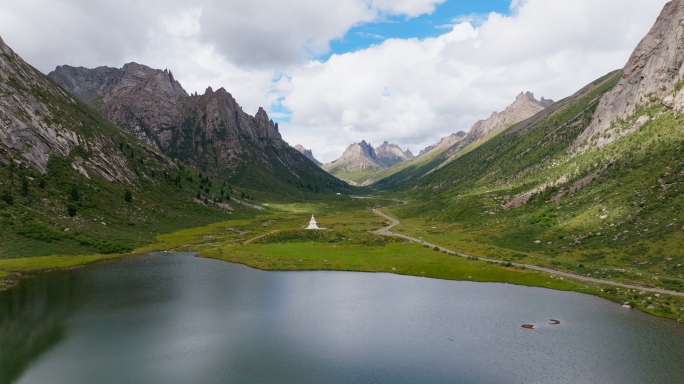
(308, 153)
(34, 125)
(357, 157)
(444, 143)
(655, 71)
(208, 131)
(362, 156)
(388, 154)
(524, 107)
(146, 102)
(71, 182)
(361, 163)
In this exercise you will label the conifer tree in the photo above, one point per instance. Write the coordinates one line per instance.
(74, 193)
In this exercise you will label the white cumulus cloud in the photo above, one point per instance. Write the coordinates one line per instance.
(412, 92)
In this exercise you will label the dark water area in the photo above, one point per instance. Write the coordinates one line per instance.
(174, 318)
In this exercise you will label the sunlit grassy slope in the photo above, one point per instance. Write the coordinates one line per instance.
(613, 212)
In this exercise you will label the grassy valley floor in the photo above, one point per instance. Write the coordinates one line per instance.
(275, 240)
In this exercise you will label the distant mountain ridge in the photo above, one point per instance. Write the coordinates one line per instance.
(360, 156)
(388, 154)
(209, 131)
(308, 153)
(524, 107)
(444, 143)
(437, 155)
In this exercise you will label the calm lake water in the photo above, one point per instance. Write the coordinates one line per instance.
(174, 318)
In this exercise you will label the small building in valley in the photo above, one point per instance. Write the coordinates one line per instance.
(312, 224)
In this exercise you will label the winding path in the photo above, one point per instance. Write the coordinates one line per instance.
(387, 231)
(259, 237)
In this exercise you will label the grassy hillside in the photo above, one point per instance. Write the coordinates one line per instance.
(64, 212)
(614, 212)
(297, 180)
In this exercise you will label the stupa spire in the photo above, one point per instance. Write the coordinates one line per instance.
(312, 223)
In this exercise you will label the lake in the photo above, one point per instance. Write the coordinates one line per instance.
(175, 318)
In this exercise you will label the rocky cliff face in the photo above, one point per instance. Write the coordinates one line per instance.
(655, 71)
(308, 153)
(446, 142)
(152, 105)
(388, 155)
(146, 102)
(209, 131)
(39, 120)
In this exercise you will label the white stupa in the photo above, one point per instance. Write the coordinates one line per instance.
(312, 224)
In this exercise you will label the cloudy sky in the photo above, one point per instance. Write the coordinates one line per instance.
(333, 72)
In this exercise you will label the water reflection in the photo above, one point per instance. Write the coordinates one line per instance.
(177, 319)
(32, 319)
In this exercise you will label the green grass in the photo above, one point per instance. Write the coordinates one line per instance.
(349, 246)
(625, 223)
(404, 259)
(12, 269)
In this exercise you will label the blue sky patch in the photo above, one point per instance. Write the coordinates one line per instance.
(432, 25)
(424, 26)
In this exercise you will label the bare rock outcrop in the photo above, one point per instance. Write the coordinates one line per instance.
(655, 71)
(358, 156)
(524, 107)
(145, 102)
(39, 120)
(362, 156)
(444, 143)
(308, 153)
(210, 131)
(388, 154)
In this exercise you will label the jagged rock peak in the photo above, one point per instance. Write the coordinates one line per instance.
(546, 102)
(153, 106)
(359, 149)
(528, 97)
(308, 153)
(358, 156)
(388, 154)
(524, 107)
(654, 70)
(362, 155)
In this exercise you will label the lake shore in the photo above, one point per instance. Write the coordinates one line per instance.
(13, 270)
(348, 245)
